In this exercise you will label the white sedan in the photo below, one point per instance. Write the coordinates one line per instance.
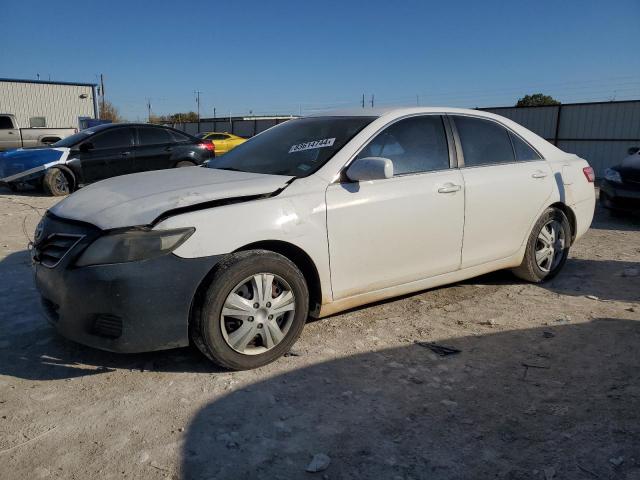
(311, 217)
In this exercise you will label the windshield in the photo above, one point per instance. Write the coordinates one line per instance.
(75, 138)
(295, 148)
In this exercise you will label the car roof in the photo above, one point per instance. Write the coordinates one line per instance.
(397, 111)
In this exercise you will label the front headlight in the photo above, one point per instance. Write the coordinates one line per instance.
(133, 245)
(612, 175)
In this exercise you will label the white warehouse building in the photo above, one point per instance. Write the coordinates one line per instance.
(39, 103)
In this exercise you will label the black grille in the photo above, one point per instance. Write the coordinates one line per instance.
(108, 326)
(51, 250)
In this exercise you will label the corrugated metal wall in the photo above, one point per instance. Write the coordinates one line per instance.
(238, 126)
(61, 105)
(600, 132)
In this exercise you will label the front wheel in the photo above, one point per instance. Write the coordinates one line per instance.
(56, 182)
(547, 247)
(253, 310)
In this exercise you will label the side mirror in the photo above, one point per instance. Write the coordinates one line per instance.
(86, 146)
(370, 168)
(633, 150)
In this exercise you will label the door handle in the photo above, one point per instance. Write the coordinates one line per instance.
(449, 188)
(125, 154)
(539, 174)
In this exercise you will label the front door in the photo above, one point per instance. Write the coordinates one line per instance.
(507, 184)
(110, 154)
(394, 231)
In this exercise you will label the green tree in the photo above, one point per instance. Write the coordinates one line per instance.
(537, 100)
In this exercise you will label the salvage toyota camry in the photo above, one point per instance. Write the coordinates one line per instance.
(311, 217)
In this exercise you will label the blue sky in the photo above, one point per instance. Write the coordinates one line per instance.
(283, 57)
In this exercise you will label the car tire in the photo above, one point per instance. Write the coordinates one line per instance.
(13, 187)
(185, 163)
(57, 182)
(233, 283)
(547, 247)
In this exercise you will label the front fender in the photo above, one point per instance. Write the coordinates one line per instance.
(23, 165)
(299, 220)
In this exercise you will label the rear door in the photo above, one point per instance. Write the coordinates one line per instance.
(111, 154)
(155, 149)
(9, 135)
(507, 183)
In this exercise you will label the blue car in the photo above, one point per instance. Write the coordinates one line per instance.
(101, 152)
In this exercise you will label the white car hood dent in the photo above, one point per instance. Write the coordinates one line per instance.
(141, 198)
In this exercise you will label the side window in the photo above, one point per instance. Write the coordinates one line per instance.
(35, 122)
(112, 138)
(179, 137)
(153, 136)
(483, 142)
(5, 123)
(523, 151)
(417, 144)
(217, 136)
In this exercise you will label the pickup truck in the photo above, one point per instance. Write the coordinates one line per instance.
(12, 136)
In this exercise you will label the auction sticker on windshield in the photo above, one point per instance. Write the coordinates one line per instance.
(325, 142)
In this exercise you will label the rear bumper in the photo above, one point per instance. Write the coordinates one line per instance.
(128, 307)
(620, 196)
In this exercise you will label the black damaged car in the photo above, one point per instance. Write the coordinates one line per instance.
(102, 152)
(620, 189)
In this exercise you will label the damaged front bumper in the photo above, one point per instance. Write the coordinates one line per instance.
(127, 307)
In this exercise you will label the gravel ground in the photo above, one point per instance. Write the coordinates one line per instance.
(546, 384)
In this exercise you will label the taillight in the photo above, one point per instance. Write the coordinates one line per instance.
(208, 146)
(588, 172)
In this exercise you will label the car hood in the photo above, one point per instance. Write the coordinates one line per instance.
(139, 199)
(14, 164)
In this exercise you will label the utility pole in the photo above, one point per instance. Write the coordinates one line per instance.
(197, 92)
(214, 113)
(102, 94)
(417, 100)
(148, 110)
(372, 97)
(363, 100)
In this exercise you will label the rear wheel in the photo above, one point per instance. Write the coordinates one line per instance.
(57, 183)
(547, 247)
(185, 163)
(253, 310)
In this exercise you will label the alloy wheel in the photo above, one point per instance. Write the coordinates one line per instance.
(257, 313)
(550, 246)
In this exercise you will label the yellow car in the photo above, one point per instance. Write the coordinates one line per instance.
(223, 142)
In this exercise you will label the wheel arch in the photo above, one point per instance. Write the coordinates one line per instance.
(571, 216)
(301, 259)
(294, 253)
(68, 172)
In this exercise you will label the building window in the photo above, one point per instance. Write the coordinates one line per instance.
(35, 122)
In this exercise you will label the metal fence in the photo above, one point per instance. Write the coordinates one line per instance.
(241, 126)
(600, 132)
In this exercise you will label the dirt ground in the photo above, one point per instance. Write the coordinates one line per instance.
(546, 384)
